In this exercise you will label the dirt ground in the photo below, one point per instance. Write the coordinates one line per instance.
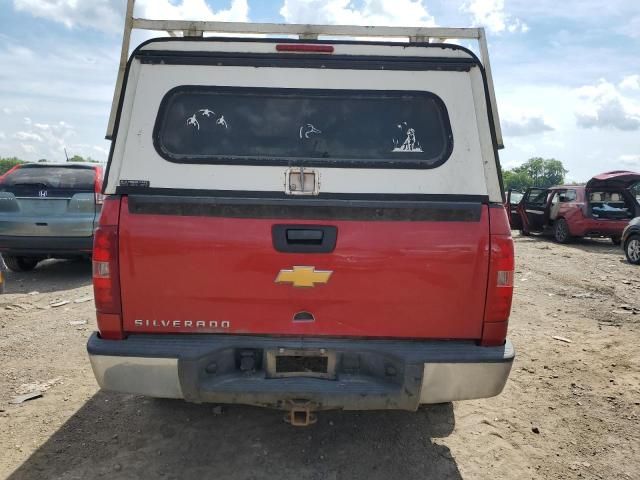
(569, 410)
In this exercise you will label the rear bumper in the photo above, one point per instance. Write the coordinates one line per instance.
(369, 374)
(45, 246)
(598, 228)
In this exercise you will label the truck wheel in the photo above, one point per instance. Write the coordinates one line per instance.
(20, 264)
(561, 231)
(616, 240)
(632, 249)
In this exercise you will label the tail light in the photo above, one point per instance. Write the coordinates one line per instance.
(500, 286)
(98, 187)
(106, 274)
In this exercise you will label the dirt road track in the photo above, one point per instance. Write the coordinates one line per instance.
(582, 397)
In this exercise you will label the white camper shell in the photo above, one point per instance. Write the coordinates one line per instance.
(163, 70)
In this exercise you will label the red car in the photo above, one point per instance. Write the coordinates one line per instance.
(601, 208)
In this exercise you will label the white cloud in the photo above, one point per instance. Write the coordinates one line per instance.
(632, 27)
(45, 140)
(603, 106)
(104, 152)
(33, 137)
(28, 148)
(108, 15)
(491, 14)
(372, 12)
(632, 82)
(15, 109)
(525, 125)
(103, 15)
(238, 11)
(630, 162)
(69, 84)
(3, 135)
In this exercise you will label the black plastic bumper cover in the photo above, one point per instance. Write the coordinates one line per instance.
(45, 245)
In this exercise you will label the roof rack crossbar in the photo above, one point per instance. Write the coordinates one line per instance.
(303, 32)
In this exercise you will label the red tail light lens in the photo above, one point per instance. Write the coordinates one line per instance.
(98, 187)
(106, 275)
(500, 286)
(500, 291)
(304, 47)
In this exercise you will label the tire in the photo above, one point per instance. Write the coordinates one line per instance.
(20, 264)
(616, 240)
(632, 249)
(561, 231)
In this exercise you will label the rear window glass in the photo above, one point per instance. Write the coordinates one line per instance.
(51, 178)
(262, 126)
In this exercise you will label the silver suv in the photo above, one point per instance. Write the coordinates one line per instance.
(48, 210)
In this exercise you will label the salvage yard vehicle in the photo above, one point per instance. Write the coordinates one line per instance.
(631, 241)
(601, 208)
(48, 210)
(514, 197)
(292, 223)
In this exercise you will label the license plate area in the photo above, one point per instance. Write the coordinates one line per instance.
(284, 362)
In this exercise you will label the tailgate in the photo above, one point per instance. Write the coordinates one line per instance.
(196, 265)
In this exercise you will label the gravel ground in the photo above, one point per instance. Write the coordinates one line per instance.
(569, 410)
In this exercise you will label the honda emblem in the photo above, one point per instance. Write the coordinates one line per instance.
(42, 193)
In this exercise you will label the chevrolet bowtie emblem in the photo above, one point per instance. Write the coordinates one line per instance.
(303, 276)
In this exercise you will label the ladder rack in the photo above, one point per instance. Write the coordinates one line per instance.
(303, 32)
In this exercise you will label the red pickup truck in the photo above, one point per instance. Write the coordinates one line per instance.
(304, 225)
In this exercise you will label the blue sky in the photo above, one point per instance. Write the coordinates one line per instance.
(567, 74)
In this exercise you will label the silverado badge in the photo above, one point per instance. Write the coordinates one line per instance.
(303, 276)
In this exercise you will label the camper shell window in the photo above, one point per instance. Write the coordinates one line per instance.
(266, 126)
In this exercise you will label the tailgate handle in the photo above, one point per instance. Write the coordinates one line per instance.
(304, 239)
(306, 236)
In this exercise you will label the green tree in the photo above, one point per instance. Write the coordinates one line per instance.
(535, 172)
(8, 163)
(516, 180)
(79, 158)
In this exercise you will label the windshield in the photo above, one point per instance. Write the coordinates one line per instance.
(271, 126)
(51, 177)
(516, 197)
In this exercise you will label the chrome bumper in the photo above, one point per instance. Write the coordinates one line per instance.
(153, 377)
(478, 372)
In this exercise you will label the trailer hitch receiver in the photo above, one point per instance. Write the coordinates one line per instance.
(301, 414)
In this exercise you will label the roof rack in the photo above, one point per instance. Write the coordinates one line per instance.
(304, 32)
